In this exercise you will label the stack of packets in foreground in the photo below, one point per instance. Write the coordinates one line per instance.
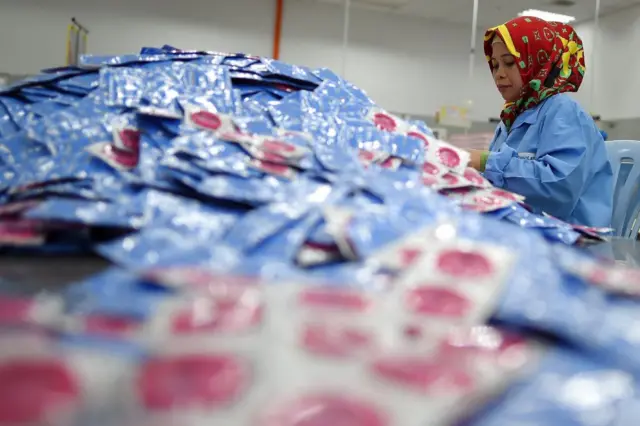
(287, 253)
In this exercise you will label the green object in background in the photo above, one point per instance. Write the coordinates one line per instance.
(483, 160)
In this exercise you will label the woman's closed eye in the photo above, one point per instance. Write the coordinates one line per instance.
(506, 64)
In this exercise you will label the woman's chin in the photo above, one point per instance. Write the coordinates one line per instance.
(509, 98)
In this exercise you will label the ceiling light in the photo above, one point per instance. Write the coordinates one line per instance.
(548, 16)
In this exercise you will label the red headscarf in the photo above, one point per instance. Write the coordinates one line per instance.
(549, 56)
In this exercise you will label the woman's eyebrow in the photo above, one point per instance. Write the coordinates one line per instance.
(493, 58)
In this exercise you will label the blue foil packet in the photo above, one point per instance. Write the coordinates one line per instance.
(160, 246)
(114, 292)
(369, 138)
(81, 84)
(7, 126)
(16, 109)
(567, 388)
(552, 229)
(179, 229)
(163, 86)
(122, 86)
(548, 298)
(380, 224)
(91, 213)
(260, 224)
(75, 189)
(360, 95)
(96, 61)
(296, 74)
(41, 79)
(331, 146)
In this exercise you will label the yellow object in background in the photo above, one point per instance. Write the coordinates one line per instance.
(72, 32)
(77, 37)
(454, 116)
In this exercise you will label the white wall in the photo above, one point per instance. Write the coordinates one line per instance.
(406, 64)
(33, 32)
(586, 93)
(618, 65)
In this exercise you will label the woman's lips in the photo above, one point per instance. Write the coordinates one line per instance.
(502, 88)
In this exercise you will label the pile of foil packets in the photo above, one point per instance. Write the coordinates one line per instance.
(287, 253)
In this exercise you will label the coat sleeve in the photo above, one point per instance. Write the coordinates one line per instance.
(557, 173)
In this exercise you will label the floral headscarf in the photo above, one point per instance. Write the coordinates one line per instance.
(549, 56)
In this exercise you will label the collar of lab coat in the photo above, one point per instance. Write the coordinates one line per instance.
(529, 116)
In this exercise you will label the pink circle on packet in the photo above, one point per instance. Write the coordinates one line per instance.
(334, 340)
(384, 122)
(15, 311)
(408, 256)
(429, 180)
(365, 155)
(473, 176)
(272, 157)
(284, 87)
(464, 264)
(277, 146)
(235, 136)
(130, 139)
(475, 208)
(451, 179)
(272, 168)
(480, 340)
(230, 314)
(121, 156)
(206, 119)
(327, 298)
(420, 136)
(485, 346)
(631, 277)
(449, 157)
(423, 374)
(504, 194)
(487, 200)
(430, 168)
(188, 381)
(412, 331)
(109, 325)
(437, 301)
(599, 275)
(34, 391)
(391, 163)
(324, 410)
(511, 341)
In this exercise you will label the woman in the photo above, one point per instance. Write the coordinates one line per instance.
(547, 147)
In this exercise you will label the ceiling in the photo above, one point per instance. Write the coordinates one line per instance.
(491, 12)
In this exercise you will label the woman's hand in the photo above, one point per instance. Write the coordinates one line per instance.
(476, 159)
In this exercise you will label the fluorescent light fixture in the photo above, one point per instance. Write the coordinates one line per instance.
(548, 16)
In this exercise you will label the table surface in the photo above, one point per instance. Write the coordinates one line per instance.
(27, 275)
(622, 250)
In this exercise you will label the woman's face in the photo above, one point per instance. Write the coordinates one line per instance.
(505, 72)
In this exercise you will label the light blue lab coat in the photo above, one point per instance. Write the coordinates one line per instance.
(556, 157)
